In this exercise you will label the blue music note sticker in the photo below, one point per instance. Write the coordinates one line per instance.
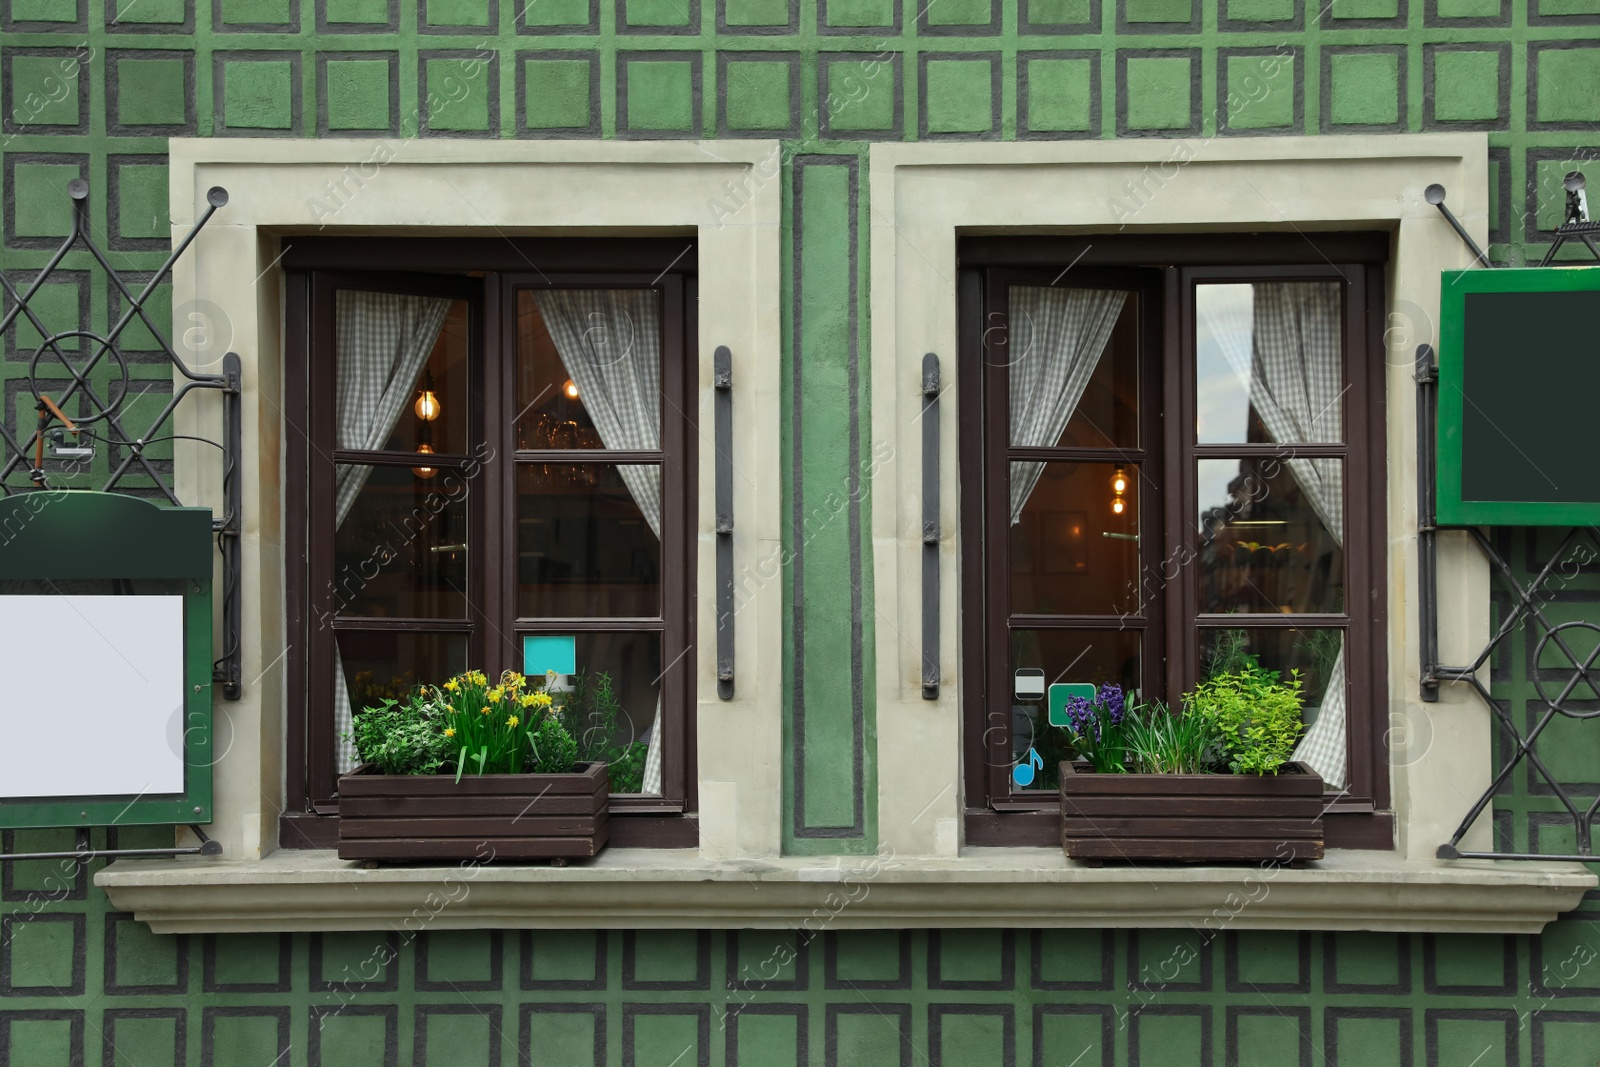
(1023, 773)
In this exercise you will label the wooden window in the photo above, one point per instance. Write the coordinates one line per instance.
(1173, 454)
(487, 441)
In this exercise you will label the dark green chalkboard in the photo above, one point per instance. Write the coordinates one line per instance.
(1519, 397)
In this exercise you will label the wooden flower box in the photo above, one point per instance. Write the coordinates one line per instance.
(1191, 818)
(482, 817)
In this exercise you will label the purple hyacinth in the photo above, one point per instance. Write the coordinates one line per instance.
(1111, 702)
(1081, 716)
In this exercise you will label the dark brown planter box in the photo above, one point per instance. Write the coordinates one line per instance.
(482, 817)
(1191, 818)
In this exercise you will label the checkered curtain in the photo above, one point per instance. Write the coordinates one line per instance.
(1057, 337)
(384, 339)
(609, 341)
(1296, 385)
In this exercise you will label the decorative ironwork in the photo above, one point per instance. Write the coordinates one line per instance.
(1521, 747)
(100, 382)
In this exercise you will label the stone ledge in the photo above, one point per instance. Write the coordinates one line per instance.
(983, 887)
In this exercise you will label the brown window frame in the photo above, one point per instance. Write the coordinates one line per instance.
(1165, 271)
(488, 274)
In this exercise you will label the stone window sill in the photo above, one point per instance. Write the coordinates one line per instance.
(983, 887)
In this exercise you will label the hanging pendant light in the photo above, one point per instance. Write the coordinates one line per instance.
(424, 449)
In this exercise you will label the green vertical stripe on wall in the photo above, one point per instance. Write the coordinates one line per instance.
(828, 800)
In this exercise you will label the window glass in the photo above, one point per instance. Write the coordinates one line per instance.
(1074, 538)
(585, 545)
(400, 549)
(403, 365)
(588, 368)
(390, 664)
(1072, 358)
(612, 705)
(1270, 534)
(1095, 657)
(1269, 362)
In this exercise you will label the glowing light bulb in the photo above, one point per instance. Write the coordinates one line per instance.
(427, 406)
(424, 449)
(571, 389)
(1119, 482)
(1117, 506)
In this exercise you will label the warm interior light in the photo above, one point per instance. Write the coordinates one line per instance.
(571, 389)
(427, 406)
(1119, 482)
(1116, 506)
(424, 449)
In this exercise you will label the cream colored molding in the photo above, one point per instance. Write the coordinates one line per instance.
(1011, 888)
(227, 294)
(924, 195)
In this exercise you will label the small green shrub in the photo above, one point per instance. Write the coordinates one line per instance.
(402, 736)
(1255, 714)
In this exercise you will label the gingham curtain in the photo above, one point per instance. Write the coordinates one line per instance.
(1057, 338)
(1296, 371)
(384, 339)
(610, 345)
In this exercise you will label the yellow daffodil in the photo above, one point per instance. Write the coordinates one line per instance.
(477, 677)
(528, 699)
(514, 679)
(452, 685)
(542, 699)
(496, 694)
(487, 710)
(449, 731)
(512, 721)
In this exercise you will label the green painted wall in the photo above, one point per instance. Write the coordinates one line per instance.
(92, 88)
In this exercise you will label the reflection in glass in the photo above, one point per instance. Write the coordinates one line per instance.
(585, 546)
(1092, 656)
(1073, 364)
(616, 705)
(1269, 362)
(1072, 552)
(588, 368)
(401, 551)
(1317, 654)
(401, 359)
(1270, 535)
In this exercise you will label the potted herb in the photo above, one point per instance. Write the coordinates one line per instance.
(471, 771)
(1209, 781)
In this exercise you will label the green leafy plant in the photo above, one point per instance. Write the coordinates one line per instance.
(592, 714)
(1162, 741)
(402, 736)
(1256, 715)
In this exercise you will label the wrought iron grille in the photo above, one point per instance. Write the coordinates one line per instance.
(92, 372)
(1573, 693)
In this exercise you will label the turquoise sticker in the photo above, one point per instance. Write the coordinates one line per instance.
(1061, 692)
(540, 655)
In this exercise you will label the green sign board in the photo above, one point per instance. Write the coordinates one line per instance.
(105, 645)
(1062, 692)
(1518, 379)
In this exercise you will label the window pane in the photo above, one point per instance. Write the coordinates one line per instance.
(390, 664)
(1317, 654)
(588, 368)
(1270, 535)
(586, 541)
(1090, 656)
(1072, 551)
(400, 549)
(614, 702)
(1073, 361)
(402, 372)
(1269, 362)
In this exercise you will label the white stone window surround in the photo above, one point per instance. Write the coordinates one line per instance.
(921, 196)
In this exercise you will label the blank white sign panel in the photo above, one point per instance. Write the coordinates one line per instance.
(91, 696)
